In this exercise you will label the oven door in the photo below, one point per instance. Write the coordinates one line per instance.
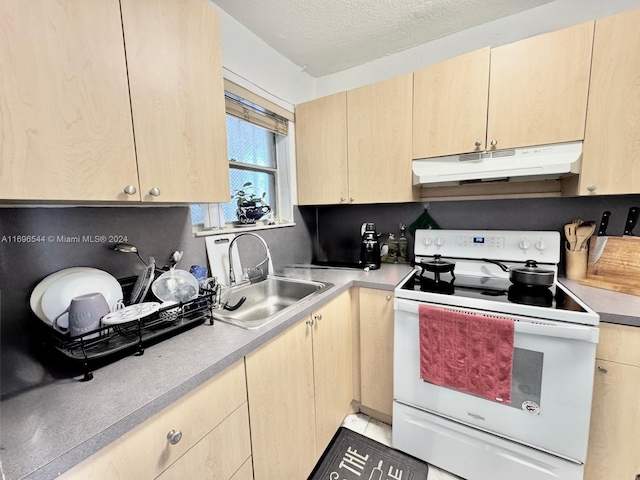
(551, 389)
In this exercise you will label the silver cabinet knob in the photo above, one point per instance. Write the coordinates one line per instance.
(351, 199)
(494, 143)
(601, 369)
(478, 144)
(174, 436)
(388, 297)
(130, 190)
(309, 322)
(154, 191)
(317, 316)
(342, 199)
(592, 188)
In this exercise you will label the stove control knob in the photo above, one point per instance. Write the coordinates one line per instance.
(524, 244)
(541, 245)
(439, 241)
(428, 241)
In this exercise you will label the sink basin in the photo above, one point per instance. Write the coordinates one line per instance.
(267, 300)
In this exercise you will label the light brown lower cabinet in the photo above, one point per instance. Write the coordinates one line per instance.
(376, 349)
(213, 421)
(300, 389)
(614, 438)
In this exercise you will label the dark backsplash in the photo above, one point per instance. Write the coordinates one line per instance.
(337, 235)
(156, 231)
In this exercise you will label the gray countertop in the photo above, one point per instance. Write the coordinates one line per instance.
(613, 307)
(48, 430)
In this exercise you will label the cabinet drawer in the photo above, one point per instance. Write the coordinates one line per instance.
(619, 343)
(145, 452)
(220, 454)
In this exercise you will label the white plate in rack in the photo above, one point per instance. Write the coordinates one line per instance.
(47, 305)
(130, 313)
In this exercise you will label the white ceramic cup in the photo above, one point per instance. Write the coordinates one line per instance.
(85, 312)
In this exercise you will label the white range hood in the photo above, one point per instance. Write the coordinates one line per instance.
(521, 164)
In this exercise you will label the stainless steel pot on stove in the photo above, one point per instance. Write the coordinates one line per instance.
(529, 275)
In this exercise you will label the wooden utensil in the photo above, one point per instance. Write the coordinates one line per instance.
(570, 233)
(583, 233)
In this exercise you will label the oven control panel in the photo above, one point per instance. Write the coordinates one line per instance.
(508, 245)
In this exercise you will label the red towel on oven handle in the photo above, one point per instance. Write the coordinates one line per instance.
(468, 352)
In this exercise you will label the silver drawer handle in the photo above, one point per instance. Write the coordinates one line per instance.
(174, 436)
(309, 322)
(130, 190)
(155, 191)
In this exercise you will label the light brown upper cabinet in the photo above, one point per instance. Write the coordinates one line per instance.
(531, 92)
(355, 146)
(538, 89)
(177, 99)
(450, 106)
(65, 119)
(379, 118)
(611, 158)
(66, 128)
(321, 151)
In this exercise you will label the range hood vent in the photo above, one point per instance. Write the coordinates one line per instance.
(543, 162)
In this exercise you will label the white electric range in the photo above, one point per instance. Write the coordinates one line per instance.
(543, 432)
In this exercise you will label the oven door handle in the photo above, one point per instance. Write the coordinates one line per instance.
(524, 325)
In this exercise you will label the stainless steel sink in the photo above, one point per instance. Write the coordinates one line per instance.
(267, 300)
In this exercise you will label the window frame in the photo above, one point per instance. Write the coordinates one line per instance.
(284, 183)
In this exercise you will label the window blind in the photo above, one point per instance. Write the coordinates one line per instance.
(251, 108)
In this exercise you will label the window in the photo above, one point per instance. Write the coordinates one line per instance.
(252, 164)
(258, 162)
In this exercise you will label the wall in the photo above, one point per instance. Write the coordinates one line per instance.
(254, 65)
(156, 231)
(337, 231)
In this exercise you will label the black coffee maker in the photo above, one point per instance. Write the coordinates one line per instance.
(369, 247)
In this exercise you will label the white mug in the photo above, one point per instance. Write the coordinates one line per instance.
(85, 312)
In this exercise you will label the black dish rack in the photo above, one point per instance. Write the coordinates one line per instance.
(109, 343)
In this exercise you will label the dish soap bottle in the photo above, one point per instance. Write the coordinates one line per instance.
(392, 253)
(403, 255)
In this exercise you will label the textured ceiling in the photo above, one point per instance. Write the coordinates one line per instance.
(328, 36)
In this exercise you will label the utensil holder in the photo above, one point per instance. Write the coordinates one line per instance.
(576, 263)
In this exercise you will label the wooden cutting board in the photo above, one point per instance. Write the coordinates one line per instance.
(618, 268)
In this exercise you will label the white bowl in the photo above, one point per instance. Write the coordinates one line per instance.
(175, 286)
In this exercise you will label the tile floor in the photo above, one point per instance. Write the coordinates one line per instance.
(381, 432)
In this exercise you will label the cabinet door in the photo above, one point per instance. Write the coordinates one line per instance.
(177, 99)
(219, 455)
(538, 89)
(376, 349)
(379, 123)
(145, 452)
(450, 106)
(332, 367)
(281, 406)
(321, 151)
(615, 423)
(611, 159)
(65, 119)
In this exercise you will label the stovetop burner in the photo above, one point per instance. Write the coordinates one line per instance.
(494, 289)
(435, 285)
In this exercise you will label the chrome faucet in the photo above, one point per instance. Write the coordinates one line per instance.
(232, 277)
